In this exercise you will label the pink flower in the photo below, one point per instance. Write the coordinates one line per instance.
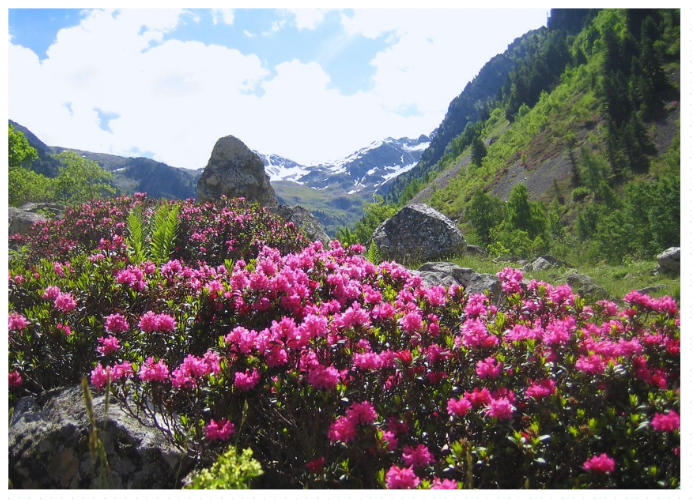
(243, 338)
(540, 389)
(51, 293)
(500, 408)
(342, 429)
(445, 484)
(390, 442)
(322, 377)
(15, 379)
(411, 322)
(108, 345)
(316, 465)
(165, 323)
(475, 334)
(362, 413)
(666, 422)
(397, 478)
(221, 430)
(354, 316)
(116, 323)
(150, 322)
(122, 370)
(458, 407)
(479, 397)
(65, 302)
(247, 380)
(100, 376)
(154, 372)
(367, 361)
(592, 364)
(17, 322)
(599, 464)
(489, 368)
(417, 457)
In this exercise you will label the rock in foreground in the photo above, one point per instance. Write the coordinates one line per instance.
(49, 446)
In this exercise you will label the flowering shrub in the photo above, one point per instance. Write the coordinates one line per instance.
(340, 373)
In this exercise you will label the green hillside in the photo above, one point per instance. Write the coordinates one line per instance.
(579, 153)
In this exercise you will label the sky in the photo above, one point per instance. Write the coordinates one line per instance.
(311, 85)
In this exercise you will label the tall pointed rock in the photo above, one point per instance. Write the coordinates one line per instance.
(236, 172)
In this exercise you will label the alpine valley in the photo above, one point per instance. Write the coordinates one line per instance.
(334, 192)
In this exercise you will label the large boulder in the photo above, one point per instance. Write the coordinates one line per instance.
(669, 260)
(20, 220)
(418, 233)
(49, 446)
(235, 171)
(304, 220)
(447, 274)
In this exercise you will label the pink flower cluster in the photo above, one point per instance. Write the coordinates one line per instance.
(599, 464)
(17, 322)
(151, 322)
(116, 323)
(666, 422)
(154, 372)
(194, 368)
(221, 430)
(344, 429)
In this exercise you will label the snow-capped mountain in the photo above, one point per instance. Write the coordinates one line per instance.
(365, 170)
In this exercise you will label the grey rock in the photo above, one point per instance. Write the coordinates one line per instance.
(20, 221)
(651, 289)
(476, 250)
(304, 220)
(544, 263)
(447, 274)
(46, 208)
(235, 171)
(669, 260)
(539, 264)
(418, 233)
(585, 286)
(49, 446)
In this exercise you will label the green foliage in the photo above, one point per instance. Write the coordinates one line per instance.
(485, 212)
(230, 471)
(346, 236)
(525, 215)
(80, 180)
(20, 152)
(164, 231)
(479, 151)
(136, 239)
(510, 241)
(154, 241)
(373, 255)
(374, 214)
(25, 185)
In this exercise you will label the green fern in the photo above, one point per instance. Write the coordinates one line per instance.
(373, 254)
(163, 232)
(136, 236)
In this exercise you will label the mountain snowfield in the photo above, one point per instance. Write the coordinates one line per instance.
(364, 170)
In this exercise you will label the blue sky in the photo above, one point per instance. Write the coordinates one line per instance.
(311, 85)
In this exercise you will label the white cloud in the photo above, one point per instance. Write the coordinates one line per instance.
(438, 50)
(308, 19)
(174, 99)
(225, 16)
